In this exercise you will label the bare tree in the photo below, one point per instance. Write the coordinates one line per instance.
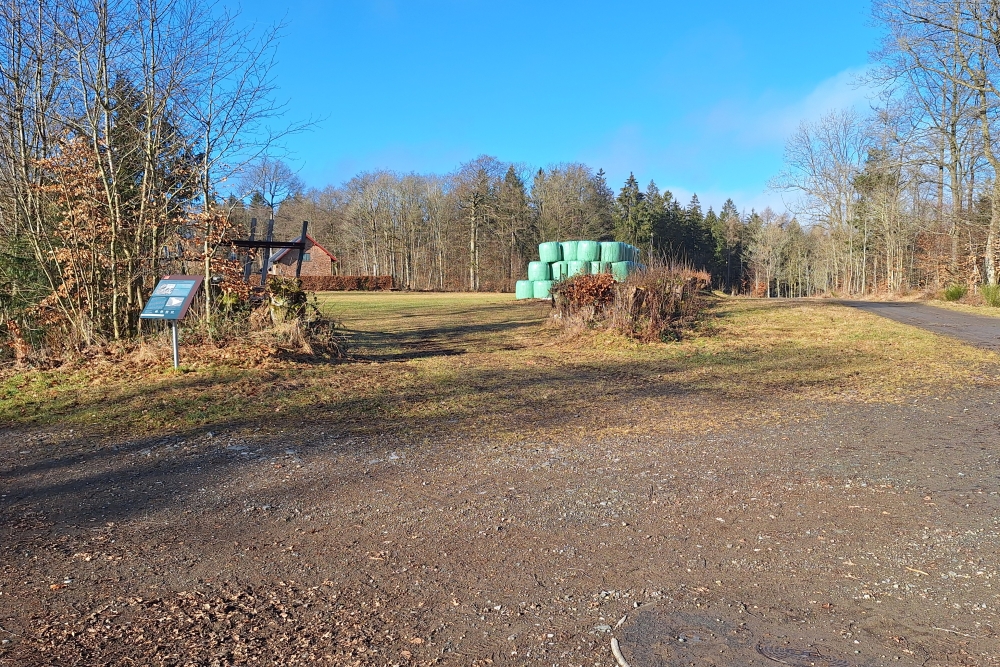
(956, 42)
(161, 99)
(476, 186)
(823, 160)
(942, 112)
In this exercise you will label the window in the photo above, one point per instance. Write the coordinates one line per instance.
(305, 257)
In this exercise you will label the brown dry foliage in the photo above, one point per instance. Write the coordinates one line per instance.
(584, 296)
(651, 305)
(655, 304)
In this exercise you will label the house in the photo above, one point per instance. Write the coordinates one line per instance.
(316, 261)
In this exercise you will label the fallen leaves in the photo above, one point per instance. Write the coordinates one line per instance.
(200, 626)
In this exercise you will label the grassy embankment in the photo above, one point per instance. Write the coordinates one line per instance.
(484, 364)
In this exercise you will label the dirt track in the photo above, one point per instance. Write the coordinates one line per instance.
(868, 532)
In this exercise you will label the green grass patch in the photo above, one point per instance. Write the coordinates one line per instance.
(991, 295)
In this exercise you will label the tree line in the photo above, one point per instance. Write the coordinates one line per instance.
(477, 227)
(905, 196)
(892, 199)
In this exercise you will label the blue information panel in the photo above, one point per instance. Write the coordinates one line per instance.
(171, 298)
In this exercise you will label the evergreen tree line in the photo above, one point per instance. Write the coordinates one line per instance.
(478, 227)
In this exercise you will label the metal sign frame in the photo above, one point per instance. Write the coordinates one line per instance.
(170, 301)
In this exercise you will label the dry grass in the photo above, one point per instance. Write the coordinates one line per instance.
(484, 364)
(979, 308)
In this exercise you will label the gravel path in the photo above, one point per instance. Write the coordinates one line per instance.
(866, 534)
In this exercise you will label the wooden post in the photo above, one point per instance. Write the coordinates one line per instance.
(267, 253)
(248, 260)
(302, 250)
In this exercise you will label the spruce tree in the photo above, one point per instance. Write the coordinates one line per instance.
(628, 212)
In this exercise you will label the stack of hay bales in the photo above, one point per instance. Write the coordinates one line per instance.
(558, 260)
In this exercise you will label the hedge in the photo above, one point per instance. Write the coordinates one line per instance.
(346, 283)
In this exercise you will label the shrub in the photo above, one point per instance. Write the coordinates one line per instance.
(287, 297)
(653, 304)
(991, 295)
(657, 303)
(346, 283)
(955, 292)
(584, 298)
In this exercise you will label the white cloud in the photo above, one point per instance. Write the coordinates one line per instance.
(772, 118)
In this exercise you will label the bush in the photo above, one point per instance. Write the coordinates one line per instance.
(653, 304)
(346, 283)
(287, 298)
(955, 292)
(584, 298)
(991, 295)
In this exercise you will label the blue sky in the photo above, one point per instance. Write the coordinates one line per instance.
(699, 96)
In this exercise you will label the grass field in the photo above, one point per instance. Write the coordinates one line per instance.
(470, 361)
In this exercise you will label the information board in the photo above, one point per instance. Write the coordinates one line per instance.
(171, 298)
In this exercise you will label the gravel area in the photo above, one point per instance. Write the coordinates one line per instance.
(871, 530)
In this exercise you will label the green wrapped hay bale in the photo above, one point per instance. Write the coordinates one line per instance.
(541, 289)
(559, 270)
(539, 271)
(612, 251)
(550, 252)
(524, 289)
(588, 251)
(569, 250)
(600, 267)
(620, 270)
(578, 268)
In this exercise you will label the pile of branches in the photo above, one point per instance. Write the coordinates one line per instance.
(655, 304)
(298, 320)
(584, 298)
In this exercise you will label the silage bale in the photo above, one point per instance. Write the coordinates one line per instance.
(524, 289)
(612, 251)
(559, 270)
(550, 252)
(600, 267)
(541, 289)
(620, 270)
(578, 268)
(539, 271)
(588, 251)
(569, 249)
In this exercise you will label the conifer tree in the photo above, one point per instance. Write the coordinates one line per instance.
(631, 218)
